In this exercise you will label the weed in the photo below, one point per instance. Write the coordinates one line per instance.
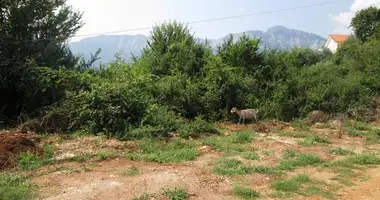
(29, 161)
(359, 126)
(242, 137)
(289, 154)
(360, 159)
(268, 152)
(300, 125)
(196, 128)
(178, 150)
(144, 196)
(104, 155)
(131, 172)
(233, 166)
(176, 194)
(300, 161)
(295, 134)
(81, 158)
(246, 193)
(224, 144)
(314, 140)
(300, 184)
(251, 156)
(373, 136)
(15, 186)
(340, 151)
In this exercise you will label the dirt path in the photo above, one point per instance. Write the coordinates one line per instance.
(107, 182)
(368, 190)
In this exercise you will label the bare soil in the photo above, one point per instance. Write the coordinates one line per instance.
(12, 144)
(107, 179)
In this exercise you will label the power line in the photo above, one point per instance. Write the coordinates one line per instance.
(200, 21)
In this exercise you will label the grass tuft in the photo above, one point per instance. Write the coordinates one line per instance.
(15, 186)
(341, 151)
(176, 194)
(314, 140)
(245, 193)
(178, 150)
(251, 156)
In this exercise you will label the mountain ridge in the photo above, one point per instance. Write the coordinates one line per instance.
(276, 37)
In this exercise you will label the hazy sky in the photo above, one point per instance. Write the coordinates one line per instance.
(114, 15)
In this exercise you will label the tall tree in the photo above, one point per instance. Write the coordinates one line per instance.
(32, 33)
(366, 23)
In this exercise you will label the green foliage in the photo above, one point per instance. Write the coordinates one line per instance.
(158, 151)
(365, 23)
(178, 85)
(35, 34)
(251, 156)
(144, 196)
(196, 128)
(131, 172)
(314, 140)
(29, 161)
(176, 194)
(245, 193)
(341, 151)
(15, 187)
(300, 160)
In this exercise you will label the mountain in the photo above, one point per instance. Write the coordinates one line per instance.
(277, 37)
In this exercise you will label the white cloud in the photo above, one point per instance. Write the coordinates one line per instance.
(241, 9)
(343, 19)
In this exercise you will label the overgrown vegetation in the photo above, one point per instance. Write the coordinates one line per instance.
(15, 186)
(178, 85)
(300, 184)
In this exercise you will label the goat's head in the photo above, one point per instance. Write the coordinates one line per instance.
(233, 110)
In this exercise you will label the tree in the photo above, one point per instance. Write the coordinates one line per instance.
(365, 23)
(33, 33)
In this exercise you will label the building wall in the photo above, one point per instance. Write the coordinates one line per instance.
(332, 45)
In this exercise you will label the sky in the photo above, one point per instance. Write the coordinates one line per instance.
(117, 15)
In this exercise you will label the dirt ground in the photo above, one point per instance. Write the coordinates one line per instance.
(107, 179)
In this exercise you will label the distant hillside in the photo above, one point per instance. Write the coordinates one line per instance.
(277, 37)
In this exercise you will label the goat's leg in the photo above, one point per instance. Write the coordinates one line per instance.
(239, 120)
(243, 120)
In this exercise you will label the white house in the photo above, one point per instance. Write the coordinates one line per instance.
(334, 41)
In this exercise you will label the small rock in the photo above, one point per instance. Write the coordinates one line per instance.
(226, 133)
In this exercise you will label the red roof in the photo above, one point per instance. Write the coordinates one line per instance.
(339, 38)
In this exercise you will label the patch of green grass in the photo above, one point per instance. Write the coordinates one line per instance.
(360, 159)
(344, 176)
(81, 158)
(251, 156)
(300, 184)
(245, 193)
(300, 160)
(224, 144)
(373, 136)
(178, 150)
(15, 186)
(314, 140)
(233, 166)
(300, 125)
(295, 134)
(144, 196)
(131, 172)
(176, 194)
(242, 137)
(104, 155)
(358, 125)
(340, 151)
(268, 152)
(288, 153)
(29, 161)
